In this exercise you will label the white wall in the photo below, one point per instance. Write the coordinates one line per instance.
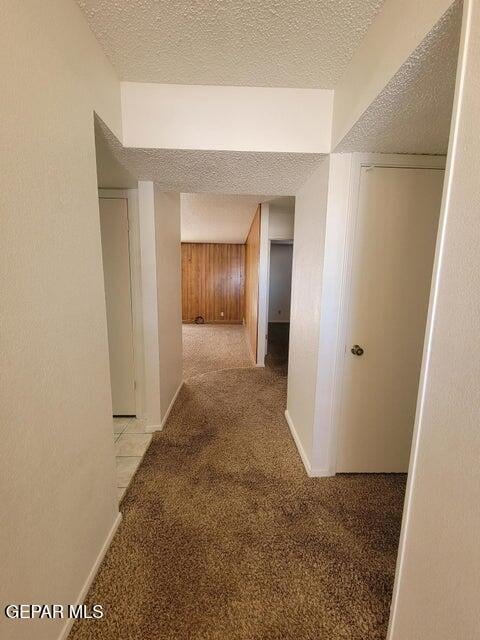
(111, 173)
(438, 578)
(308, 249)
(159, 217)
(281, 224)
(169, 283)
(330, 329)
(169, 116)
(321, 227)
(280, 282)
(148, 267)
(397, 30)
(57, 486)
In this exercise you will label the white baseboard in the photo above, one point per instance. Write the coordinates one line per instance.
(170, 406)
(312, 472)
(317, 472)
(159, 427)
(150, 428)
(296, 439)
(91, 576)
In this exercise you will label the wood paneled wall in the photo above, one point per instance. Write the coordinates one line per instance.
(213, 282)
(252, 260)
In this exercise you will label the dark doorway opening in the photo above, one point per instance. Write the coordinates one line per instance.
(277, 346)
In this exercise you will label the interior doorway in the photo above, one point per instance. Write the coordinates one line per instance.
(393, 248)
(219, 281)
(120, 235)
(279, 297)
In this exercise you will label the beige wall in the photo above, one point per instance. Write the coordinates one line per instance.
(438, 578)
(57, 481)
(169, 296)
(148, 268)
(308, 248)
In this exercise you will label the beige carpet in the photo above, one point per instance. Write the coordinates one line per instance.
(225, 538)
(211, 347)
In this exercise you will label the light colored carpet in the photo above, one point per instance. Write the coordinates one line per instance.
(211, 347)
(224, 537)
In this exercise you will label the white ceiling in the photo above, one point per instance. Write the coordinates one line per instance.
(412, 114)
(222, 171)
(272, 43)
(210, 217)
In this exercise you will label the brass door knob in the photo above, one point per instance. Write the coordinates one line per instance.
(357, 350)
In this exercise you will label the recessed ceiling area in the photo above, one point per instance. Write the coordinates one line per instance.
(273, 43)
(413, 112)
(197, 171)
(208, 217)
(411, 115)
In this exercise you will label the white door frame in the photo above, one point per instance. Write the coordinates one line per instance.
(359, 161)
(263, 282)
(131, 195)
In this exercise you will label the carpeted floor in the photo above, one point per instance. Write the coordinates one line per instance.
(211, 347)
(277, 347)
(224, 537)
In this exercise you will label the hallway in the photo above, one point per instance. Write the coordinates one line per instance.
(225, 537)
(311, 164)
(211, 347)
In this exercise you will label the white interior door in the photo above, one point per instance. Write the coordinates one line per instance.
(393, 256)
(116, 267)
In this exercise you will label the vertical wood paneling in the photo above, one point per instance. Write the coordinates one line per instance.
(252, 260)
(213, 279)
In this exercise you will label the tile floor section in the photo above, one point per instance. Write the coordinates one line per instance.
(131, 442)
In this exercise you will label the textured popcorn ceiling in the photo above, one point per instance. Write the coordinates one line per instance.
(268, 43)
(208, 217)
(235, 172)
(411, 115)
(413, 112)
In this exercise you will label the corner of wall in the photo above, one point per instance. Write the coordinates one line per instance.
(169, 296)
(148, 265)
